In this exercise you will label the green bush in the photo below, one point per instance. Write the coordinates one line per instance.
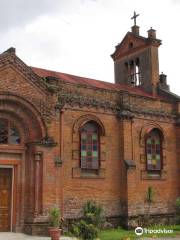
(54, 215)
(178, 203)
(93, 214)
(75, 230)
(88, 227)
(149, 195)
(178, 209)
(87, 230)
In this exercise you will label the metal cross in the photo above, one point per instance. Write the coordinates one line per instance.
(134, 17)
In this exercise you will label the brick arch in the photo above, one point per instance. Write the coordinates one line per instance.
(77, 171)
(86, 118)
(18, 109)
(26, 117)
(147, 129)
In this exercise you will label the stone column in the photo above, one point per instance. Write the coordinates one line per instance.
(37, 159)
(129, 166)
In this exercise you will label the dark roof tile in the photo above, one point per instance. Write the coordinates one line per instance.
(90, 82)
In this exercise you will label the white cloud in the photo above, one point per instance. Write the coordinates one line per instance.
(78, 36)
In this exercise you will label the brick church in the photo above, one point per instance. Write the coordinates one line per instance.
(66, 139)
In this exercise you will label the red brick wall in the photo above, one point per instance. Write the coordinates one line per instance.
(117, 189)
(105, 190)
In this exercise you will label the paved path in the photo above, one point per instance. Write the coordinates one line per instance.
(21, 236)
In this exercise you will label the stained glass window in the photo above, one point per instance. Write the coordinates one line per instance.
(3, 132)
(8, 133)
(89, 146)
(153, 150)
(14, 137)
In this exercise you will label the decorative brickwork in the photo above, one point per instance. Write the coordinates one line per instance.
(49, 109)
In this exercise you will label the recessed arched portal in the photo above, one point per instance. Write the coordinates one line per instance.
(21, 127)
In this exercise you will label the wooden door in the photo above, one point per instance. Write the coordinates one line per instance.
(5, 199)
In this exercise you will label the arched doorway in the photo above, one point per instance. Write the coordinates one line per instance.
(21, 126)
(9, 136)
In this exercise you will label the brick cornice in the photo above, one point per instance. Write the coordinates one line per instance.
(152, 112)
(123, 109)
(82, 101)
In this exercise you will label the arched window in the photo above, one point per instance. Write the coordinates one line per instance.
(89, 140)
(9, 134)
(133, 72)
(154, 150)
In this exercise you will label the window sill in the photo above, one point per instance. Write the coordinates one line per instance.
(93, 174)
(145, 175)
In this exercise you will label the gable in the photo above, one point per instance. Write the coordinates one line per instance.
(17, 78)
(13, 82)
(9, 60)
(129, 44)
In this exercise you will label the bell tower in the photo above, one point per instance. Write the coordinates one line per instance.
(136, 59)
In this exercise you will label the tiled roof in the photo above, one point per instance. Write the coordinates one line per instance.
(89, 82)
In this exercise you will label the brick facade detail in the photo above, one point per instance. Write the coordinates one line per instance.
(49, 108)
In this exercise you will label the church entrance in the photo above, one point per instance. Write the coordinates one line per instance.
(21, 132)
(5, 199)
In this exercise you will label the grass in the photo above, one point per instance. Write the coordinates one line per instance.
(115, 234)
(122, 234)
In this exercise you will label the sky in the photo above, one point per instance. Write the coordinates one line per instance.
(78, 36)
